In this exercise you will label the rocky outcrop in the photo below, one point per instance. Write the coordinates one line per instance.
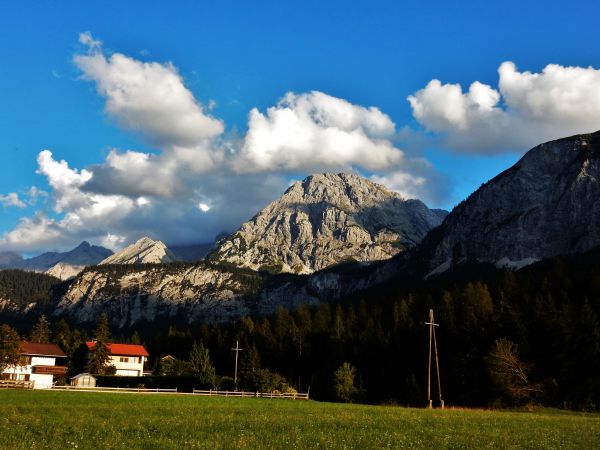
(144, 251)
(325, 220)
(189, 293)
(545, 205)
(201, 292)
(64, 271)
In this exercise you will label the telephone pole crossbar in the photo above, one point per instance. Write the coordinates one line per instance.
(237, 350)
(432, 339)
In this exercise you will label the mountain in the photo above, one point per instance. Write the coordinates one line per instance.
(82, 255)
(9, 259)
(64, 271)
(192, 252)
(144, 251)
(545, 205)
(328, 219)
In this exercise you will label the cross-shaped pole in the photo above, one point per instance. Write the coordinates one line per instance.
(237, 350)
(432, 338)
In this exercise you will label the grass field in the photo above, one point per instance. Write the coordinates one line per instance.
(39, 419)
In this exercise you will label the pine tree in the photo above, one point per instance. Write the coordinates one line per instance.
(10, 347)
(40, 333)
(202, 366)
(344, 383)
(98, 362)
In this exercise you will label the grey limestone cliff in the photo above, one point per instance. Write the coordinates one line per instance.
(325, 220)
(547, 204)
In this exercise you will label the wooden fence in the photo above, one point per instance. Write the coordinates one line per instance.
(293, 396)
(114, 389)
(16, 384)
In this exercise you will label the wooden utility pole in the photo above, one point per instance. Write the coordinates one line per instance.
(433, 340)
(237, 350)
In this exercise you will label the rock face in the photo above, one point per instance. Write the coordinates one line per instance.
(189, 293)
(201, 292)
(546, 205)
(82, 255)
(144, 251)
(325, 220)
(64, 271)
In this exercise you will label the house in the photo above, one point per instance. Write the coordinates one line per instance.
(38, 365)
(128, 359)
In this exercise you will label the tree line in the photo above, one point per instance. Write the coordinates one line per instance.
(504, 338)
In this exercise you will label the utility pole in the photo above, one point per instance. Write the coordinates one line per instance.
(237, 350)
(433, 340)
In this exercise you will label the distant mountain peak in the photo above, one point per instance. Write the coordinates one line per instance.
(327, 219)
(82, 255)
(144, 251)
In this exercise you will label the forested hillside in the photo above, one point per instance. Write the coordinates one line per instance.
(23, 288)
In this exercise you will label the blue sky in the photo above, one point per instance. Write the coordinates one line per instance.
(243, 55)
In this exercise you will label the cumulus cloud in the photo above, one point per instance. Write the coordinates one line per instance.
(202, 181)
(316, 131)
(526, 109)
(12, 199)
(149, 98)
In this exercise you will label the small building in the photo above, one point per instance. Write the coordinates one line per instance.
(38, 365)
(83, 380)
(128, 359)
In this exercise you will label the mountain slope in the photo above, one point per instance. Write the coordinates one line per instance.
(9, 259)
(545, 205)
(144, 251)
(64, 271)
(325, 220)
(82, 255)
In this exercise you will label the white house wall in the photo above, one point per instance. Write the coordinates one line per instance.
(40, 380)
(133, 367)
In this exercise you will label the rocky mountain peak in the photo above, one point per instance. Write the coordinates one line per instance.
(327, 219)
(144, 251)
(545, 205)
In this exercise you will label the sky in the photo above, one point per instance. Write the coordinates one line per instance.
(181, 121)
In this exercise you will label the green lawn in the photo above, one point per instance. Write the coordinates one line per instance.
(39, 419)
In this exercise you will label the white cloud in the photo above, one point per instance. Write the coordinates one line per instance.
(12, 199)
(65, 182)
(316, 131)
(407, 185)
(527, 109)
(201, 182)
(147, 98)
(113, 241)
(34, 195)
(88, 40)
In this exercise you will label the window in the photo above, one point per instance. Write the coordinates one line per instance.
(123, 359)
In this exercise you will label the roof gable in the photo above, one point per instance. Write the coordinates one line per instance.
(35, 349)
(121, 349)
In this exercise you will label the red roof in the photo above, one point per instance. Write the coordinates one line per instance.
(34, 349)
(122, 349)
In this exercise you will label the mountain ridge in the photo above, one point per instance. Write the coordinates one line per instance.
(144, 251)
(82, 255)
(543, 206)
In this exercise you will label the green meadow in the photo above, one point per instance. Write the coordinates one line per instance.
(63, 420)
